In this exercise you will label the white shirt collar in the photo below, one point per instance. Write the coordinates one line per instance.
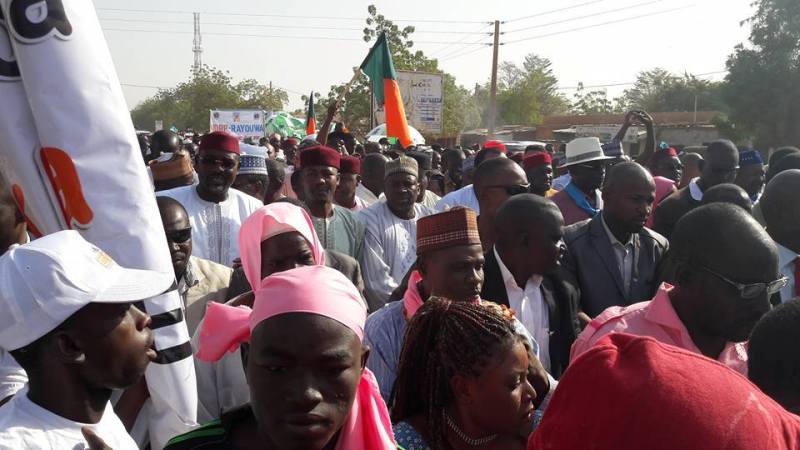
(695, 190)
(508, 278)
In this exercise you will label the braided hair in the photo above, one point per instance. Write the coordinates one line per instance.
(443, 339)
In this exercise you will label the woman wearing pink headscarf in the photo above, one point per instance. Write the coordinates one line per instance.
(305, 363)
(277, 237)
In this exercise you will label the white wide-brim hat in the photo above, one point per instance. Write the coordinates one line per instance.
(583, 150)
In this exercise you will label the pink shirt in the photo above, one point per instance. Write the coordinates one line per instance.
(657, 319)
(570, 210)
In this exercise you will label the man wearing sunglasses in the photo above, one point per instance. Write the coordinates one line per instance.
(721, 166)
(496, 180)
(720, 291)
(199, 280)
(215, 210)
(586, 162)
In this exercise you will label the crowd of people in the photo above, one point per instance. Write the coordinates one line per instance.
(368, 297)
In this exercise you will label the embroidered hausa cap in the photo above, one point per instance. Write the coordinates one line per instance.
(583, 150)
(220, 140)
(458, 226)
(253, 160)
(750, 158)
(402, 164)
(45, 282)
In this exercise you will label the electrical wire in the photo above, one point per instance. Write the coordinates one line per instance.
(630, 83)
(599, 24)
(553, 11)
(479, 31)
(572, 19)
(465, 54)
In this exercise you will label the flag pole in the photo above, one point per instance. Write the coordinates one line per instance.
(322, 134)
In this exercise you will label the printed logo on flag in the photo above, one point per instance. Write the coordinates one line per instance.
(33, 21)
(65, 185)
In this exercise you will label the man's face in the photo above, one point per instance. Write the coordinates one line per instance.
(545, 244)
(454, 166)
(506, 183)
(319, 183)
(283, 252)
(346, 191)
(116, 341)
(751, 179)
(724, 311)
(401, 190)
(178, 230)
(588, 176)
(540, 179)
(302, 389)
(719, 169)
(436, 161)
(252, 185)
(671, 168)
(455, 273)
(629, 203)
(216, 171)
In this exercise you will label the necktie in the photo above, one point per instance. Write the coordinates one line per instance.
(797, 277)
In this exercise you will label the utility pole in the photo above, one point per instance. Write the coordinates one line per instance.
(493, 94)
(197, 48)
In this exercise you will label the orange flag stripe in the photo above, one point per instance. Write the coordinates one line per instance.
(396, 124)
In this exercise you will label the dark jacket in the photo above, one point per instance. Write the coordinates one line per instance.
(345, 264)
(562, 307)
(671, 209)
(591, 264)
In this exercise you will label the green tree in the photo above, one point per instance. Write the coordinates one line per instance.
(662, 91)
(528, 92)
(187, 104)
(591, 102)
(762, 83)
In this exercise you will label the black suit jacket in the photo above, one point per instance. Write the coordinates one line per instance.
(671, 209)
(592, 266)
(562, 307)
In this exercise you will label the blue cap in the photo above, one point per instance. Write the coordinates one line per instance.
(750, 158)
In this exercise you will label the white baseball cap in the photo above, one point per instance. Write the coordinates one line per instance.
(45, 282)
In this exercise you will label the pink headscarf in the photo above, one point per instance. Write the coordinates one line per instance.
(272, 220)
(313, 290)
(664, 188)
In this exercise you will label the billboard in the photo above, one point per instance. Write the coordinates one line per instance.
(423, 100)
(245, 123)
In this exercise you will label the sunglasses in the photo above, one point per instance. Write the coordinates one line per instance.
(514, 189)
(179, 236)
(752, 290)
(597, 167)
(225, 163)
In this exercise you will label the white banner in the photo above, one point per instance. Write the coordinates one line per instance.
(245, 123)
(88, 165)
(423, 100)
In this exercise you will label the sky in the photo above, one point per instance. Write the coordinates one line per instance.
(310, 45)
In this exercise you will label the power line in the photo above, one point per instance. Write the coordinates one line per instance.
(572, 19)
(630, 83)
(487, 45)
(599, 24)
(479, 31)
(324, 38)
(281, 16)
(305, 27)
(552, 11)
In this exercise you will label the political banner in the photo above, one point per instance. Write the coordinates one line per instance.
(88, 166)
(423, 100)
(245, 123)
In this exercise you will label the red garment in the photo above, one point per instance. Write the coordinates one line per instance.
(634, 393)
(536, 159)
(570, 210)
(457, 226)
(350, 164)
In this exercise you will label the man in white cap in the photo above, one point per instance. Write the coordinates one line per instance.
(586, 162)
(390, 244)
(252, 177)
(67, 317)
